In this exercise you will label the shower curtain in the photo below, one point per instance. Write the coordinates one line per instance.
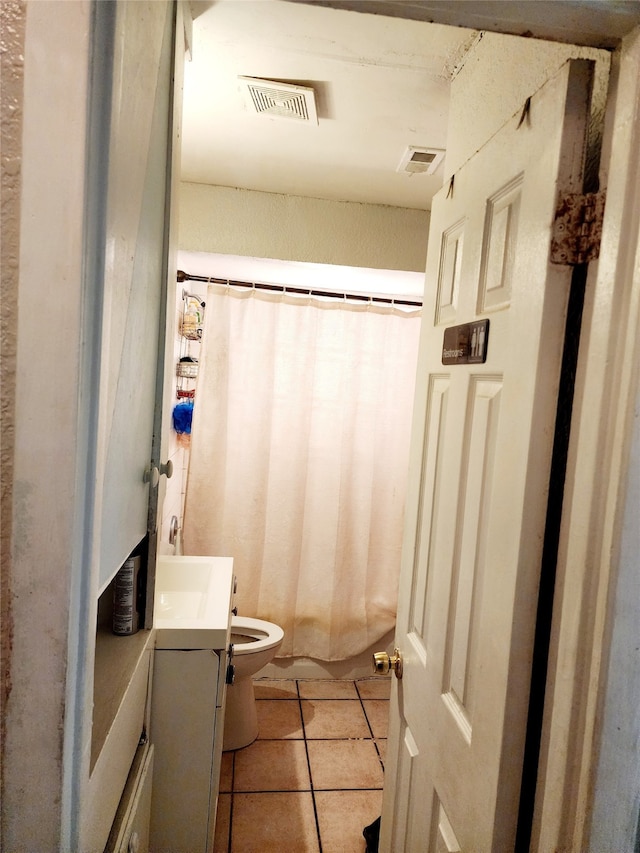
(298, 463)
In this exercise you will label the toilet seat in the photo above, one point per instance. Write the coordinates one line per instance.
(264, 635)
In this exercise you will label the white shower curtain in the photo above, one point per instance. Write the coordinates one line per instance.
(298, 464)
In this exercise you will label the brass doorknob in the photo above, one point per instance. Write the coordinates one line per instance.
(382, 663)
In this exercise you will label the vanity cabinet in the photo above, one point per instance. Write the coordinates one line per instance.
(187, 719)
(188, 697)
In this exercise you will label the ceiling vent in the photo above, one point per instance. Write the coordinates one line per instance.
(279, 100)
(420, 161)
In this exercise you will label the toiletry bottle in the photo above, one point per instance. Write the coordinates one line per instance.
(190, 323)
(126, 619)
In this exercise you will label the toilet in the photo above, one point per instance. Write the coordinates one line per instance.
(255, 644)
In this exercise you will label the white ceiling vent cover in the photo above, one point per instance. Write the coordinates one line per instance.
(420, 161)
(279, 100)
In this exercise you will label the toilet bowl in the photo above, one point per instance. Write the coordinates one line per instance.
(255, 644)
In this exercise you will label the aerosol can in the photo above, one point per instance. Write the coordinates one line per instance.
(126, 618)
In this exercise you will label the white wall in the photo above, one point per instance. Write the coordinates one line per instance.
(617, 794)
(615, 821)
(267, 225)
(315, 276)
(499, 73)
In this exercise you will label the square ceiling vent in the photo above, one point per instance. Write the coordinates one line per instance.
(279, 100)
(420, 161)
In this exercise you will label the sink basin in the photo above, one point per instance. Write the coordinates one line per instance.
(193, 602)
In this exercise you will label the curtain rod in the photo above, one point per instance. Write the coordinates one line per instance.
(303, 291)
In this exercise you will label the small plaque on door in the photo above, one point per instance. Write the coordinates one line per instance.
(466, 344)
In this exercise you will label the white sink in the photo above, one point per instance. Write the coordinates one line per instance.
(193, 602)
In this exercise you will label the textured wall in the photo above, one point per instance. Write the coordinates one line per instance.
(12, 23)
(45, 252)
(291, 228)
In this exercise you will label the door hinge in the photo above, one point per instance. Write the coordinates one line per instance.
(577, 228)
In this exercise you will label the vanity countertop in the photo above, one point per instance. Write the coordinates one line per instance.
(193, 600)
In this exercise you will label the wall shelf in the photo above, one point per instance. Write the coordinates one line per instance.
(116, 660)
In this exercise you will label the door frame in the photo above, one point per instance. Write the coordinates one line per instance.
(85, 813)
(607, 385)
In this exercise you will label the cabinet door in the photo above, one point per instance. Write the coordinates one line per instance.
(130, 833)
(135, 277)
(183, 728)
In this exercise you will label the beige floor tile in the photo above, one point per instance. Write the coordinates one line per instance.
(374, 688)
(278, 719)
(334, 718)
(337, 764)
(223, 824)
(377, 711)
(275, 688)
(272, 765)
(226, 773)
(331, 689)
(342, 815)
(274, 823)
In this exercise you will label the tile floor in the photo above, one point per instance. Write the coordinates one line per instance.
(312, 780)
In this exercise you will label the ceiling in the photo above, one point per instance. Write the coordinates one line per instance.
(594, 23)
(381, 84)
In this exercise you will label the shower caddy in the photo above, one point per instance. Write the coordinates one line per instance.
(191, 323)
(191, 320)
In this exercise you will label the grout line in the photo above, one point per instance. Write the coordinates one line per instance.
(373, 737)
(303, 790)
(276, 791)
(233, 785)
(306, 750)
(340, 790)
(364, 711)
(380, 758)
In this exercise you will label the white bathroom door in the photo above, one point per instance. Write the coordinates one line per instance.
(480, 463)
